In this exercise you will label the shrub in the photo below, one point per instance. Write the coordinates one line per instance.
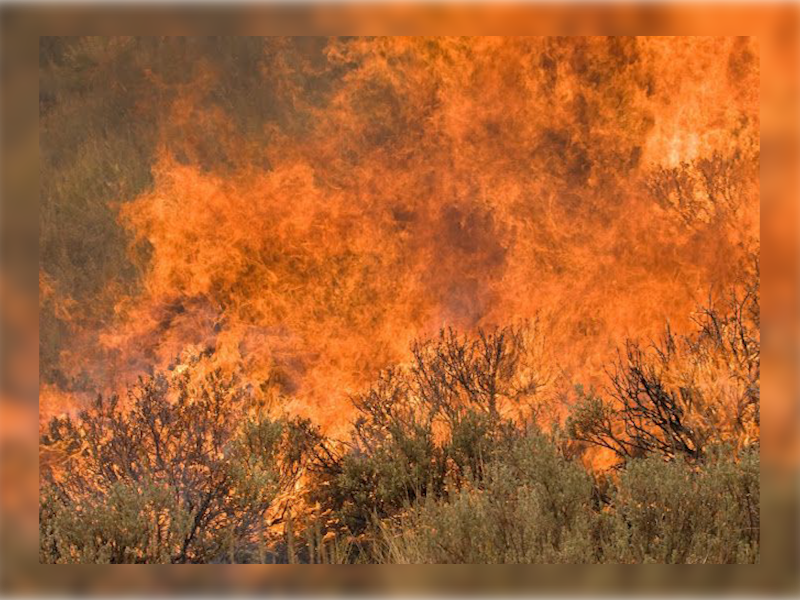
(442, 466)
(426, 426)
(536, 507)
(705, 190)
(683, 395)
(185, 473)
(531, 506)
(671, 512)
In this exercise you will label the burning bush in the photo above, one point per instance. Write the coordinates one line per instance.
(186, 473)
(429, 425)
(446, 462)
(684, 395)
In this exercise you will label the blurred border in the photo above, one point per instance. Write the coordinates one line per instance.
(768, 20)
(19, 320)
(780, 266)
(777, 24)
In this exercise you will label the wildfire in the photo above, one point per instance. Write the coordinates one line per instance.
(393, 186)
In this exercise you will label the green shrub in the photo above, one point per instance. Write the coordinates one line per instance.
(672, 512)
(536, 507)
(185, 473)
(424, 427)
(132, 523)
(530, 506)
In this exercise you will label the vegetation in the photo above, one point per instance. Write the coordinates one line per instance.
(186, 473)
(447, 462)
(330, 193)
(685, 394)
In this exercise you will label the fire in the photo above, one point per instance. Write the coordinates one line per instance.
(394, 186)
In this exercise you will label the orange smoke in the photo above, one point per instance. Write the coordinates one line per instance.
(398, 185)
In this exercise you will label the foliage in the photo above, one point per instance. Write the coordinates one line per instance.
(670, 512)
(533, 506)
(185, 473)
(433, 424)
(530, 506)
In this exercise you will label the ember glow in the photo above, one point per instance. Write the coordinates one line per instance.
(349, 196)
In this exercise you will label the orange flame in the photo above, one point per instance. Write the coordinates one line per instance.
(397, 185)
